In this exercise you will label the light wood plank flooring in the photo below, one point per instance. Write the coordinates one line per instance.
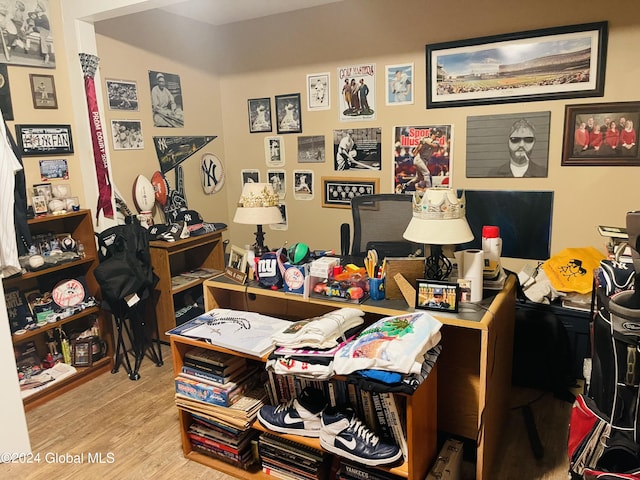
(137, 423)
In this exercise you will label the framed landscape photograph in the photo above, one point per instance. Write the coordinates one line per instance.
(259, 115)
(44, 139)
(545, 64)
(43, 91)
(337, 192)
(601, 134)
(288, 113)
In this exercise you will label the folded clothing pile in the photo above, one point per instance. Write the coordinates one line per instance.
(307, 347)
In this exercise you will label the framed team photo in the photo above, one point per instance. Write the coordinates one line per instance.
(127, 134)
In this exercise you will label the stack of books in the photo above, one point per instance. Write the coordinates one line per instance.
(220, 386)
(355, 471)
(227, 444)
(283, 458)
(616, 243)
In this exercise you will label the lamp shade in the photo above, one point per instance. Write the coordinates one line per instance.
(439, 219)
(258, 205)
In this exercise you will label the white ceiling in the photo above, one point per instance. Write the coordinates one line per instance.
(220, 12)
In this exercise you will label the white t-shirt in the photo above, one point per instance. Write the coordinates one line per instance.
(9, 165)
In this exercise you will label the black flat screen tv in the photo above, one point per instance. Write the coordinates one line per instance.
(524, 218)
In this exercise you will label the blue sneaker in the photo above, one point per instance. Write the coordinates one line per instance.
(344, 434)
(298, 416)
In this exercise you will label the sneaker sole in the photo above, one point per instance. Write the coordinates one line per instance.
(293, 431)
(372, 462)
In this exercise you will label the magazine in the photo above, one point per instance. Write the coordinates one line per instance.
(246, 332)
(202, 272)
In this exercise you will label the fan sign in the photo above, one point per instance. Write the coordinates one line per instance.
(211, 174)
(68, 293)
(160, 187)
(143, 195)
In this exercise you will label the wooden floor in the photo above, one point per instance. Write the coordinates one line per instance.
(134, 425)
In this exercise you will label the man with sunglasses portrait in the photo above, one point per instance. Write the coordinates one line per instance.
(521, 140)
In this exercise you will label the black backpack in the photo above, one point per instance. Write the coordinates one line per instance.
(125, 262)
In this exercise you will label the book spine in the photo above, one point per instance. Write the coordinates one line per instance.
(358, 472)
(215, 369)
(285, 455)
(288, 445)
(395, 421)
(384, 427)
(212, 377)
(290, 469)
(214, 444)
(368, 409)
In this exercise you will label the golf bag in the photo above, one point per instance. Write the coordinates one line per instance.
(604, 432)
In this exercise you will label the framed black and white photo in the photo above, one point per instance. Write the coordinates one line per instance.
(250, 175)
(337, 192)
(278, 180)
(311, 149)
(437, 295)
(43, 91)
(259, 115)
(238, 258)
(318, 92)
(166, 99)
(601, 134)
(44, 139)
(509, 145)
(288, 113)
(123, 95)
(127, 134)
(274, 151)
(357, 149)
(545, 64)
(303, 184)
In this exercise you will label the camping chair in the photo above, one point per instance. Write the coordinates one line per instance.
(379, 221)
(126, 282)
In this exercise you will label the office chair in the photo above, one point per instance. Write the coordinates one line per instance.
(379, 221)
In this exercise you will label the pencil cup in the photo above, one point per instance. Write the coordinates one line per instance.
(376, 288)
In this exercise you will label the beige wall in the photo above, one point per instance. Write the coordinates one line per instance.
(222, 67)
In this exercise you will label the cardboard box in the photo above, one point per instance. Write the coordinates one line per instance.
(411, 268)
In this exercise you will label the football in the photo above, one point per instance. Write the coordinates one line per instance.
(160, 187)
(143, 194)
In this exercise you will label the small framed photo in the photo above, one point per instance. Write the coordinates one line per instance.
(318, 95)
(81, 353)
(127, 135)
(39, 203)
(123, 95)
(259, 115)
(437, 295)
(238, 258)
(288, 113)
(43, 91)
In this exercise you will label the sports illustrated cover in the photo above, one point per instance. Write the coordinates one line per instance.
(357, 148)
(422, 157)
(357, 92)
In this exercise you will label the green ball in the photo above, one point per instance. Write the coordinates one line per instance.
(299, 253)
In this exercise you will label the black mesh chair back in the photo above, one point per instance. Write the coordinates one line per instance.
(379, 221)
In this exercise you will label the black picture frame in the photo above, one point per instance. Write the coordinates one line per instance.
(35, 140)
(599, 151)
(43, 91)
(259, 115)
(81, 353)
(426, 290)
(288, 113)
(453, 78)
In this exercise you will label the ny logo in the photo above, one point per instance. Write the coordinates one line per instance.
(209, 172)
(162, 144)
(267, 267)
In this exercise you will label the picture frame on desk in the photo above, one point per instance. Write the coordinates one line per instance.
(437, 295)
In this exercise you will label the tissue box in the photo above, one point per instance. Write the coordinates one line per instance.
(294, 277)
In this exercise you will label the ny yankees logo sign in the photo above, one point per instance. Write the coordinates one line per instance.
(211, 174)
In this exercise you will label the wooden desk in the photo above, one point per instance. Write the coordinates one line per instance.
(474, 369)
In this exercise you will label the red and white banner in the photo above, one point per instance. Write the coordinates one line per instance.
(89, 65)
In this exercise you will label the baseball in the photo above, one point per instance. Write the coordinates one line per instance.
(60, 191)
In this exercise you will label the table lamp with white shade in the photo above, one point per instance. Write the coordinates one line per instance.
(258, 205)
(438, 219)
